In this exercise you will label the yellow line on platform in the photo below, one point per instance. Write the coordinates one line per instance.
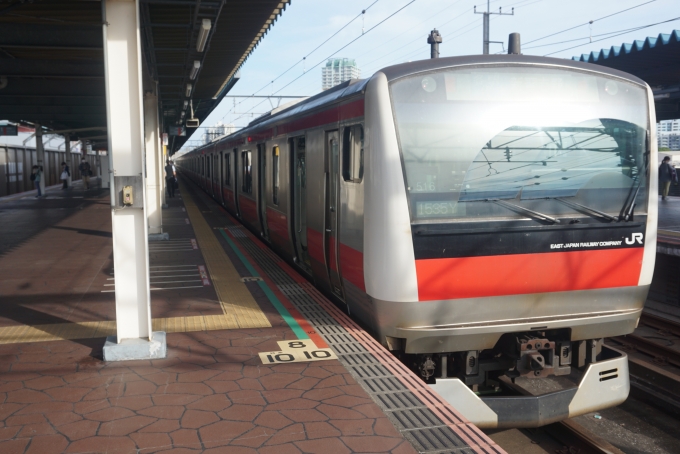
(668, 233)
(88, 330)
(237, 302)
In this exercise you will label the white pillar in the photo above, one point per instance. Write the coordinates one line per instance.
(105, 174)
(151, 133)
(122, 60)
(40, 156)
(67, 148)
(161, 168)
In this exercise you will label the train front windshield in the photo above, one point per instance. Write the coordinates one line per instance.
(477, 143)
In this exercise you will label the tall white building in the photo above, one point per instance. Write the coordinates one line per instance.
(338, 70)
(668, 134)
(217, 131)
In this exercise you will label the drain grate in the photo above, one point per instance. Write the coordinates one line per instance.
(415, 420)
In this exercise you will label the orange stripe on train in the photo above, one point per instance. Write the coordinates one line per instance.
(516, 274)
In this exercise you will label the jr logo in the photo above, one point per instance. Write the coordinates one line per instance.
(635, 237)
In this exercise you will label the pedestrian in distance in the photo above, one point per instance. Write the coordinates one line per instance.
(36, 176)
(667, 175)
(170, 178)
(65, 173)
(85, 172)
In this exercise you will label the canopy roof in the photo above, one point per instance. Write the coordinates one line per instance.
(654, 60)
(52, 59)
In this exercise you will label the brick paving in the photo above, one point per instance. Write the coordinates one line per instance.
(211, 394)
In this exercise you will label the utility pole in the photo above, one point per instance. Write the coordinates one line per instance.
(433, 40)
(486, 24)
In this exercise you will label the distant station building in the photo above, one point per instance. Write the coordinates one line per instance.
(668, 134)
(215, 132)
(337, 71)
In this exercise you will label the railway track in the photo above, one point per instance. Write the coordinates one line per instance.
(575, 438)
(661, 353)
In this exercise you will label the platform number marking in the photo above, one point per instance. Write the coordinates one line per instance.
(297, 351)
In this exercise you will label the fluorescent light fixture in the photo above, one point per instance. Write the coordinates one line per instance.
(203, 33)
(186, 103)
(194, 69)
(189, 87)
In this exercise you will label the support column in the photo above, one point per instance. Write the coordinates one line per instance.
(122, 60)
(151, 133)
(161, 168)
(40, 156)
(105, 175)
(67, 148)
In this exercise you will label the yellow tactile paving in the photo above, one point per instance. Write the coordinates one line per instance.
(236, 300)
(239, 306)
(668, 233)
(87, 330)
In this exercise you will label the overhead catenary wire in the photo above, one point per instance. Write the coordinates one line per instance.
(339, 49)
(590, 22)
(612, 36)
(302, 60)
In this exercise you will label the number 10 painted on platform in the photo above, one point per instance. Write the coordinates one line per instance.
(297, 351)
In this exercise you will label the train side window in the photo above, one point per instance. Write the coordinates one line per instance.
(275, 175)
(207, 167)
(247, 186)
(227, 169)
(353, 153)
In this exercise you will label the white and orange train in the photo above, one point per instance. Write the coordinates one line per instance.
(488, 218)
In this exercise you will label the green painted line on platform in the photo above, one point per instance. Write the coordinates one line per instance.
(289, 319)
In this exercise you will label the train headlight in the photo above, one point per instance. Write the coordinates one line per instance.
(428, 84)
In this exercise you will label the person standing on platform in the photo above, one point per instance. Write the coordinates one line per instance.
(666, 176)
(65, 173)
(85, 172)
(36, 175)
(170, 178)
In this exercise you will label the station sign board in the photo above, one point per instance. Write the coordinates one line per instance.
(9, 130)
(177, 131)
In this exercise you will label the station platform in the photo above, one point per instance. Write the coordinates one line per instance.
(669, 226)
(234, 313)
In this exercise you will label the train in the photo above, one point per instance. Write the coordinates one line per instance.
(489, 219)
(16, 163)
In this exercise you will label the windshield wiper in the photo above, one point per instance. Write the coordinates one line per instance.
(576, 206)
(629, 205)
(531, 213)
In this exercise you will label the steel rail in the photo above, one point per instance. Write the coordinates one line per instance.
(649, 347)
(661, 323)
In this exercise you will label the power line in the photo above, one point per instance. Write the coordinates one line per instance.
(341, 48)
(590, 22)
(363, 12)
(623, 33)
(585, 37)
(326, 58)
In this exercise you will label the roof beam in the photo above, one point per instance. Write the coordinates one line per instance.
(50, 35)
(42, 68)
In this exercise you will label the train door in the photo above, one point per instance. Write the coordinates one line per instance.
(262, 188)
(299, 194)
(236, 181)
(221, 184)
(332, 211)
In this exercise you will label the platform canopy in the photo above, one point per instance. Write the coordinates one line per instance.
(654, 60)
(52, 62)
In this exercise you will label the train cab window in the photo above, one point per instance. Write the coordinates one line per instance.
(353, 153)
(247, 169)
(275, 175)
(227, 169)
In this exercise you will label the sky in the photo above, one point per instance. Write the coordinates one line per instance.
(289, 59)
